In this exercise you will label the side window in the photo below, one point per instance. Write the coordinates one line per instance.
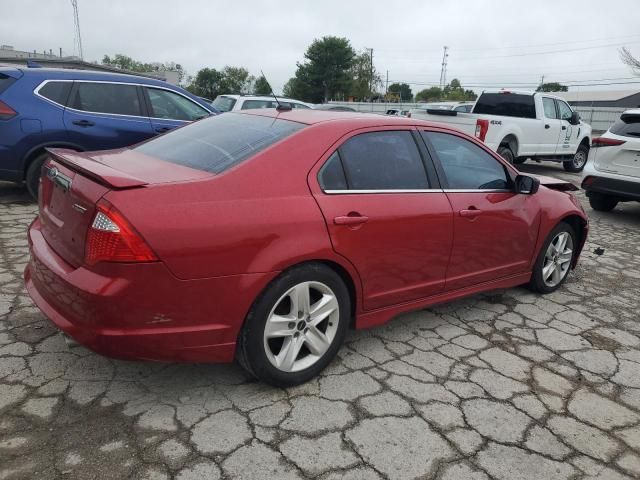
(299, 105)
(565, 110)
(106, 98)
(466, 166)
(331, 176)
(549, 106)
(387, 160)
(251, 104)
(57, 92)
(170, 105)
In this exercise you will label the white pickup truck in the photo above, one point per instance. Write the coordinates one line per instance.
(522, 125)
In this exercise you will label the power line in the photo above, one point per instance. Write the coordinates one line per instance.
(550, 52)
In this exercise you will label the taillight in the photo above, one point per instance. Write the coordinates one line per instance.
(112, 239)
(6, 112)
(606, 142)
(482, 127)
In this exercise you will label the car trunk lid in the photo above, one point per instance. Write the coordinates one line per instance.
(73, 183)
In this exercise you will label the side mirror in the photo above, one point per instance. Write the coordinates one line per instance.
(526, 185)
(575, 118)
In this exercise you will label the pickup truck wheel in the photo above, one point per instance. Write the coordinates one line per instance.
(32, 178)
(579, 160)
(602, 203)
(507, 154)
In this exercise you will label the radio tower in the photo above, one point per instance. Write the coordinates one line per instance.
(443, 72)
(77, 38)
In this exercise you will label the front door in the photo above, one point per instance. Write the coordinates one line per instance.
(168, 109)
(550, 128)
(495, 230)
(569, 134)
(386, 216)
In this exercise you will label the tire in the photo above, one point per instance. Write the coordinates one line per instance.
(311, 348)
(602, 203)
(519, 160)
(507, 154)
(579, 160)
(32, 178)
(549, 256)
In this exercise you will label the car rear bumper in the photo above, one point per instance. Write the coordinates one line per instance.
(141, 312)
(622, 189)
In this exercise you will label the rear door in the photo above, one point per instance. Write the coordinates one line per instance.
(386, 215)
(169, 109)
(102, 115)
(495, 229)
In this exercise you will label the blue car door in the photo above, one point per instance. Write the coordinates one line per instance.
(105, 115)
(169, 109)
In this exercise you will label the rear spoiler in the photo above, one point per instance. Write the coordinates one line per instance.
(99, 172)
(444, 113)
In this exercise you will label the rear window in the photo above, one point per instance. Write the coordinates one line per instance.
(220, 142)
(628, 125)
(5, 81)
(57, 92)
(224, 104)
(506, 104)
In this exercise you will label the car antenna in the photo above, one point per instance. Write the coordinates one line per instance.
(281, 107)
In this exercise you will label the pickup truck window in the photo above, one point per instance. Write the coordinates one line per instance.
(549, 105)
(565, 110)
(467, 166)
(506, 104)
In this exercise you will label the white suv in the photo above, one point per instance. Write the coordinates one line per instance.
(612, 173)
(228, 103)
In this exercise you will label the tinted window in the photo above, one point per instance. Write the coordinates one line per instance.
(463, 108)
(331, 175)
(466, 165)
(299, 105)
(549, 106)
(507, 104)
(628, 125)
(106, 98)
(251, 104)
(5, 81)
(565, 110)
(383, 161)
(224, 104)
(219, 142)
(56, 91)
(166, 104)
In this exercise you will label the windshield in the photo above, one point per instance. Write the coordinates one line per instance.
(224, 104)
(220, 142)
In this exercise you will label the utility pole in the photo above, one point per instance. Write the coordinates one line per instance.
(386, 89)
(542, 81)
(77, 38)
(371, 75)
(443, 71)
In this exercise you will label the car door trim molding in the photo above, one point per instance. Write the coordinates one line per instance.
(373, 191)
(39, 87)
(477, 190)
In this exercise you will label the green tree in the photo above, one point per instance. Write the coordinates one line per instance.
(207, 83)
(552, 87)
(125, 62)
(402, 90)
(261, 86)
(236, 80)
(433, 94)
(365, 78)
(325, 73)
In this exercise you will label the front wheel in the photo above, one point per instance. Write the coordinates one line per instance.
(296, 326)
(554, 261)
(579, 160)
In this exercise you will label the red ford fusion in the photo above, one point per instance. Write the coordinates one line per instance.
(265, 236)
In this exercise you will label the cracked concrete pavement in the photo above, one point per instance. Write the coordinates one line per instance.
(506, 385)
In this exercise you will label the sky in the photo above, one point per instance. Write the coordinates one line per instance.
(492, 43)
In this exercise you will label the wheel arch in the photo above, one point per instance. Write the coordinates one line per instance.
(586, 141)
(510, 140)
(34, 152)
(580, 226)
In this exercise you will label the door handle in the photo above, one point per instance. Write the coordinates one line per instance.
(163, 129)
(547, 126)
(83, 123)
(564, 127)
(471, 212)
(350, 220)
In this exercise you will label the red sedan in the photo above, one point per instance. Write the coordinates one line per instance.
(264, 236)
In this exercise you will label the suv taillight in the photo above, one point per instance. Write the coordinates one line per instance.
(112, 239)
(482, 127)
(6, 112)
(605, 142)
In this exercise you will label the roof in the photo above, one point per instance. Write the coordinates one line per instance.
(596, 95)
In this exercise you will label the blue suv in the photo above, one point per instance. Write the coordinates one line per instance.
(82, 110)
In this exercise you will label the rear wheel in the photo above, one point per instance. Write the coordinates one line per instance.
(32, 178)
(602, 203)
(519, 160)
(506, 153)
(579, 160)
(554, 261)
(296, 326)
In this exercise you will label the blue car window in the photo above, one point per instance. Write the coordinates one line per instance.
(99, 97)
(170, 105)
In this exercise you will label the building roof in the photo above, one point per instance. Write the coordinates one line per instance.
(596, 95)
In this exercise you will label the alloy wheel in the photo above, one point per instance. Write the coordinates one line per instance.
(301, 326)
(557, 259)
(579, 159)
